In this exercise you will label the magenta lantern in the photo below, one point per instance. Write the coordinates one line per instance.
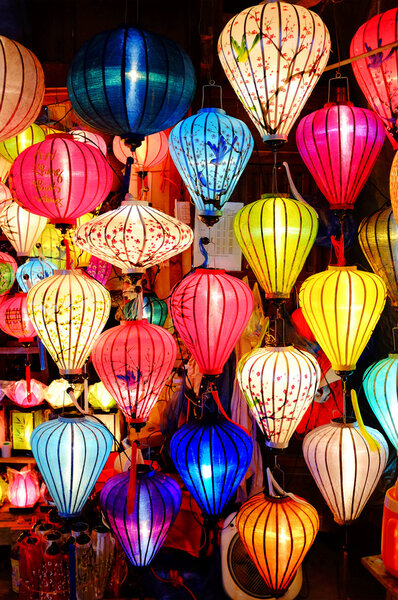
(14, 319)
(210, 310)
(60, 179)
(23, 490)
(134, 361)
(99, 269)
(340, 144)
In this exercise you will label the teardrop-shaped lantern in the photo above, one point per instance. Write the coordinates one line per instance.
(70, 452)
(134, 361)
(69, 311)
(154, 309)
(21, 227)
(276, 235)
(340, 144)
(210, 310)
(151, 153)
(342, 306)
(15, 320)
(33, 271)
(89, 137)
(134, 236)
(210, 150)
(5, 196)
(212, 457)
(49, 245)
(346, 468)
(273, 54)
(12, 147)
(157, 502)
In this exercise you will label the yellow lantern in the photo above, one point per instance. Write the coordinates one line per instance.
(50, 246)
(80, 258)
(22, 228)
(275, 235)
(342, 306)
(57, 395)
(394, 186)
(100, 398)
(10, 148)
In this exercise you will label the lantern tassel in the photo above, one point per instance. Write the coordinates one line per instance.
(27, 376)
(132, 481)
(373, 444)
(67, 250)
(338, 247)
(216, 399)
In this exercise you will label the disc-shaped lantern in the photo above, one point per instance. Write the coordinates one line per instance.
(340, 144)
(151, 153)
(70, 452)
(273, 54)
(89, 137)
(69, 311)
(210, 310)
(210, 151)
(33, 271)
(21, 227)
(12, 147)
(5, 196)
(50, 246)
(15, 320)
(154, 309)
(276, 235)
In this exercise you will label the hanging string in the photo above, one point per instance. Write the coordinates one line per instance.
(348, 61)
(338, 73)
(214, 392)
(274, 187)
(132, 479)
(338, 247)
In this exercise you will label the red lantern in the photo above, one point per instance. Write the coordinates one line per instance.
(210, 310)
(14, 319)
(301, 326)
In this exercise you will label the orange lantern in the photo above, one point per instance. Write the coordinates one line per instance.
(152, 151)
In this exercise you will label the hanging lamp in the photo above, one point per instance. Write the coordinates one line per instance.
(150, 154)
(33, 271)
(21, 228)
(15, 319)
(50, 246)
(89, 137)
(100, 398)
(394, 186)
(12, 147)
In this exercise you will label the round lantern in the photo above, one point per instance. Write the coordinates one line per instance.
(10, 148)
(210, 151)
(301, 326)
(134, 361)
(210, 310)
(21, 88)
(134, 236)
(340, 144)
(14, 318)
(69, 311)
(7, 276)
(212, 457)
(276, 235)
(154, 309)
(89, 137)
(7, 258)
(60, 179)
(345, 467)
(157, 502)
(49, 245)
(151, 153)
(277, 532)
(5, 196)
(33, 271)
(70, 453)
(377, 75)
(23, 489)
(131, 83)
(394, 185)
(22, 228)
(273, 54)
(100, 398)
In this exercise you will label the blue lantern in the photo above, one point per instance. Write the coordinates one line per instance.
(154, 309)
(33, 271)
(380, 387)
(70, 452)
(212, 458)
(210, 151)
(131, 83)
(157, 502)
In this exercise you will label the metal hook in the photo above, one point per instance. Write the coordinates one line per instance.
(211, 84)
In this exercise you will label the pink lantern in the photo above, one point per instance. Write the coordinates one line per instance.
(89, 137)
(60, 179)
(5, 196)
(18, 392)
(23, 490)
(99, 269)
(151, 153)
(14, 319)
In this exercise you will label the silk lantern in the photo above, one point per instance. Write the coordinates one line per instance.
(131, 83)
(7, 258)
(5, 196)
(342, 306)
(273, 55)
(57, 393)
(100, 398)
(210, 150)
(7, 277)
(18, 392)
(377, 75)
(212, 457)
(49, 245)
(15, 320)
(345, 466)
(23, 488)
(21, 228)
(134, 361)
(340, 144)
(69, 311)
(276, 235)
(99, 269)
(21, 88)
(89, 137)
(151, 153)
(154, 309)
(70, 452)
(33, 271)
(210, 310)
(394, 186)
(12, 147)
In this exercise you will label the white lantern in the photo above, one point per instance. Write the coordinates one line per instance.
(22, 228)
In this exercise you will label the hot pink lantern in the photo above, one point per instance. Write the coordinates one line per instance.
(152, 151)
(340, 144)
(18, 392)
(99, 269)
(60, 179)
(89, 137)
(5, 196)
(134, 361)
(23, 490)
(210, 310)
(14, 319)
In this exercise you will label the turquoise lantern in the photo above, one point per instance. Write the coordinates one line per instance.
(154, 309)
(33, 271)
(210, 151)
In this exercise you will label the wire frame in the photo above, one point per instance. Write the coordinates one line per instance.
(150, 154)
(277, 533)
(345, 467)
(49, 245)
(12, 147)
(21, 228)
(33, 271)
(15, 320)
(69, 311)
(70, 453)
(342, 306)
(340, 144)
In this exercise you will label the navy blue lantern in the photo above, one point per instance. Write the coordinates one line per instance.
(70, 452)
(210, 151)
(212, 458)
(33, 271)
(131, 83)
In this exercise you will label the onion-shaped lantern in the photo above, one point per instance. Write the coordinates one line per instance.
(394, 186)
(70, 453)
(154, 309)
(345, 466)
(210, 310)
(342, 306)
(134, 361)
(151, 153)
(276, 235)
(5, 196)
(212, 457)
(69, 311)
(210, 151)
(33, 271)
(15, 320)
(12, 147)
(89, 137)
(7, 276)
(99, 269)
(134, 236)
(273, 54)
(131, 83)
(49, 245)
(4, 257)
(157, 502)
(21, 88)
(340, 144)
(21, 227)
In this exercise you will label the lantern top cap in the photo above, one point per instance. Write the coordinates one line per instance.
(129, 321)
(341, 422)
(279, 348)
(130, 201)
(393, 355)
(211, 109)
(343, 268)
(144, 471)
(71, 418)
(209, 271)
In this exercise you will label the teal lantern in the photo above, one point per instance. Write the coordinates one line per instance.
(33, 271)
(154, 309)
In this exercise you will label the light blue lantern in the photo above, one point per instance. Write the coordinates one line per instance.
(210, 151)
(380, 384)
(33, 271)
(70, 452)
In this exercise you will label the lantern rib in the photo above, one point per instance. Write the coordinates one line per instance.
(286, 575)
(98, 114)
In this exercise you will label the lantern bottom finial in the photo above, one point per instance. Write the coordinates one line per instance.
(209, 220)
(274, 141)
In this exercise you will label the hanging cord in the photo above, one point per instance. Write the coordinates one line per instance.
(175, 580)
(337, 245)
(27, 375)
(274, 485)
(373, 443)
(131, 492)
(204, 241)
(338, 73)
(65, 242)
(274, 187)
(214, 392)
(294, 191)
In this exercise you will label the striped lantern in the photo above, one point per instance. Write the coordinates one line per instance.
(5, 196)
(49, 245)
(5, 168)
(21, 227)
(4, 257)
(7, 276)
(12, 147)
(154, 309)
(394, 185)
(33, 271)
(150, 154)
(89, 137)
(15, 319)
